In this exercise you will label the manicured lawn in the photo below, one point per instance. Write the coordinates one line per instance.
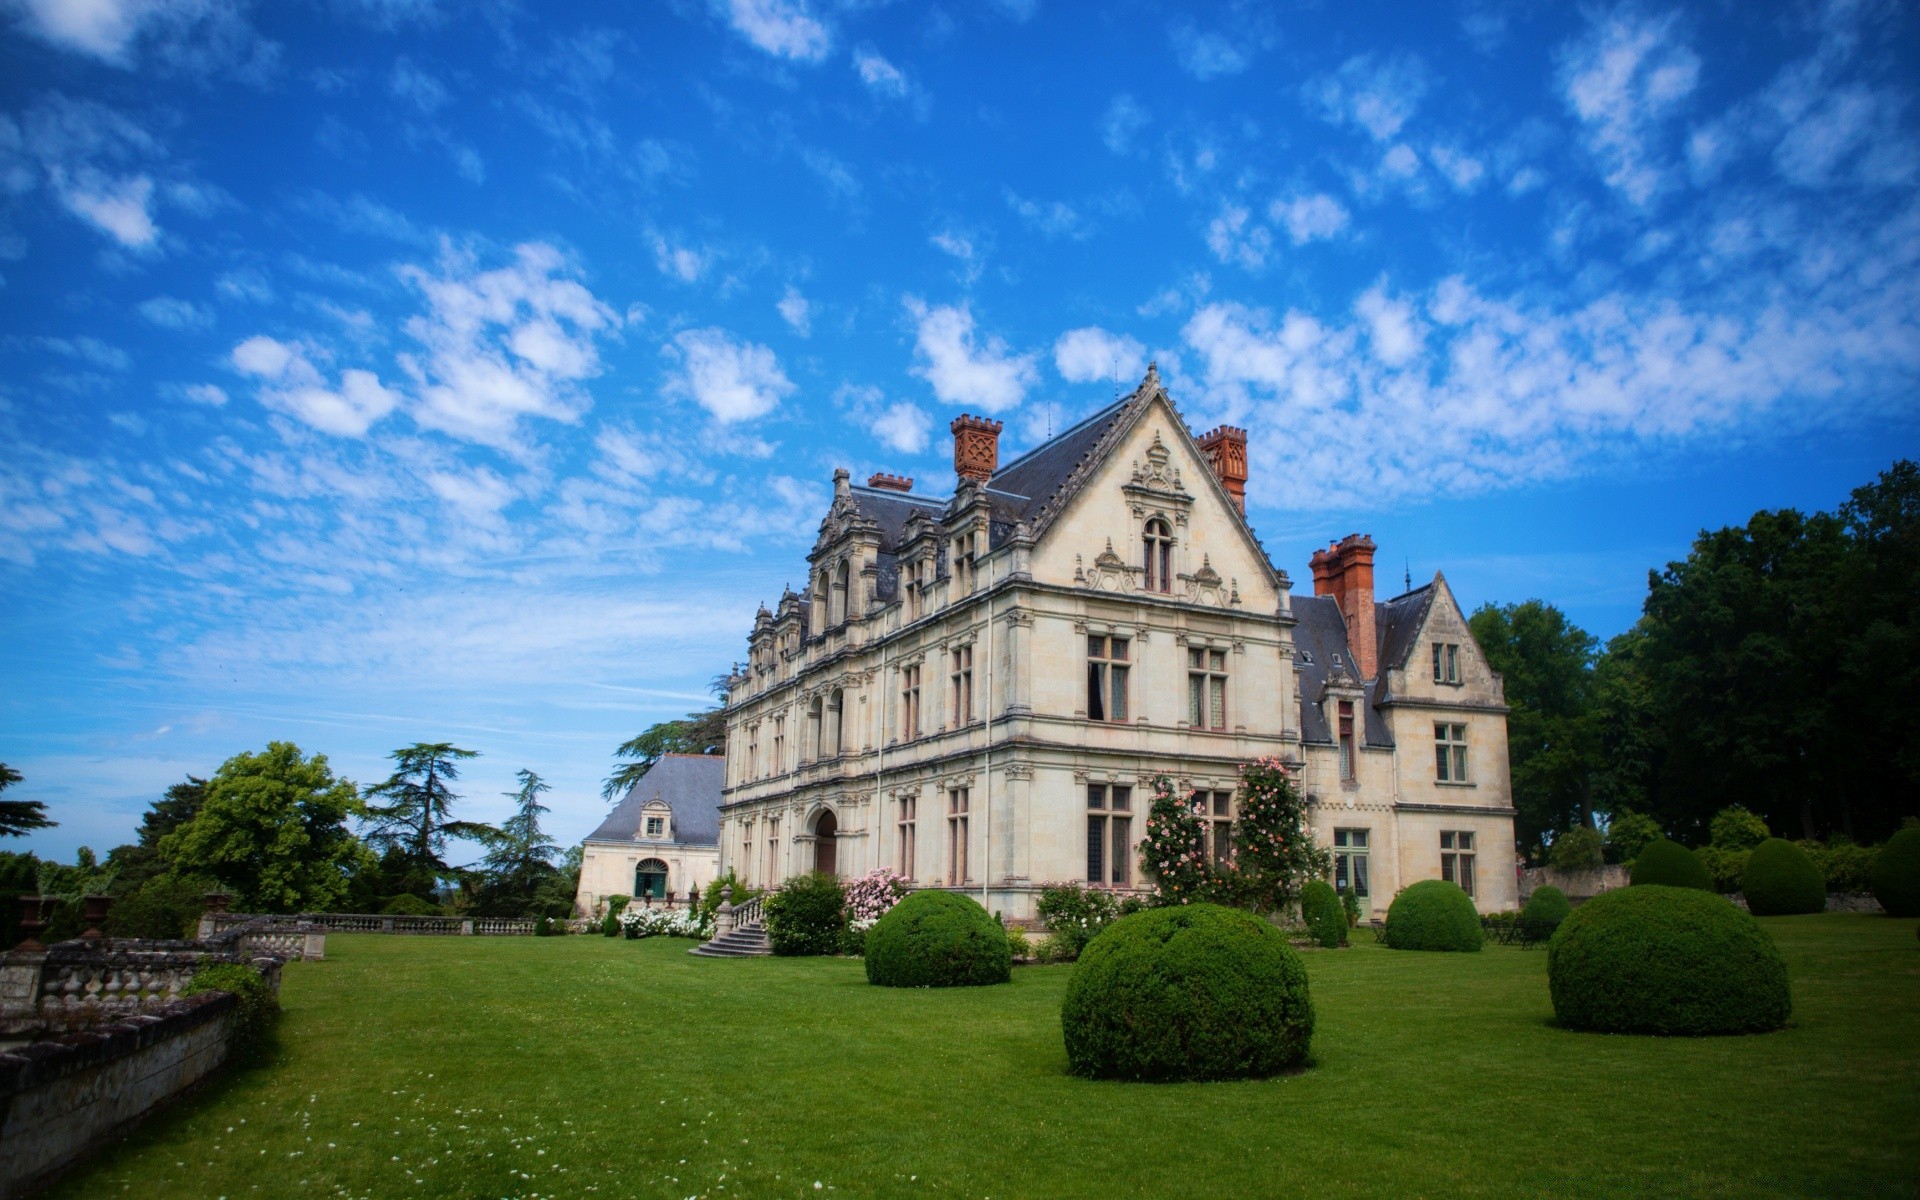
(583, 1067)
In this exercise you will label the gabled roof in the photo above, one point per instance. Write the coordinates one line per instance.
(689, 784)
(1321, 632)
(1399, 622)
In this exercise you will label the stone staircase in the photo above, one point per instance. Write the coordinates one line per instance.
(745, 933)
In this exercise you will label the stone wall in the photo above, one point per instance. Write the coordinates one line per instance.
(61, 1099)
(1578, 885)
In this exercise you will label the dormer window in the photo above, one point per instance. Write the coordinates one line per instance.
(656, 827)
(1159, 556)
(1306, 657)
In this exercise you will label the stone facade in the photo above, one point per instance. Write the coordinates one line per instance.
(661, 841)
(979, 690)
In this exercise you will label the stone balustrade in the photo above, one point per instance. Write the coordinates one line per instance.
(216, 923)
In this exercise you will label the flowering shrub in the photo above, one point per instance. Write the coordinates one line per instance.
(1075, 915)
(870, 896)
(1273, 851)
(1173, 853)
(660, 922)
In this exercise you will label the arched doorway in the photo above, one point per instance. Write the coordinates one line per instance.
(650, 879)
(826, 857)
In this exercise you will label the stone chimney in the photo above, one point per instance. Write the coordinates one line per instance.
(976, 447)
(1344, 570)
(1226, 451)
(889, 483)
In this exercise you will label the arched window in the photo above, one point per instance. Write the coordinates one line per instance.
(836, 718)
(842, 600)
(650, 879)
(826, 858)
(1159, 556)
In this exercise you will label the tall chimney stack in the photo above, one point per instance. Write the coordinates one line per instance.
(976, 447)
(1226, 451)
(1344, 570)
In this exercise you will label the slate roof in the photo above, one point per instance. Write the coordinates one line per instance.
(1321, 631)
(689, 784)
(1398, 621)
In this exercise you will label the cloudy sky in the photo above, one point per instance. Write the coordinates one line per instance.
(379, 371)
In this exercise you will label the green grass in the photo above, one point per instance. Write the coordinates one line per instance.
(589, 1067)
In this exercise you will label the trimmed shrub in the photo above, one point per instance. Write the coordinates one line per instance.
(1734, 828)
(1433, 915)
(1351, 904)
(1780, 880)
(1326, 919)
(550, 927)
(256, 1014)
(938, 939)
(1666, 960)
(617, 903)
(1724, 867)
(1546, 908)
(807, 915)
(1189, 992)
(1896, 874)
(1845, 865)
(406, 904)
(1577, 849)
(1669, 864)
(610, 926)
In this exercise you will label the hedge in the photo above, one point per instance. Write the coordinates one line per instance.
(257, 1012)
(1546, 908)
(938, 939)
(1669, 864)
(1780, 880)
(1433, 915)
(1190, 992)
(1666, 960)
(1325, 916)
(1896, 874)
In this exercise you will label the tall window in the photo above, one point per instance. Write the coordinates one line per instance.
(910, 702)
(964, 564)
(753, 751)
(1217, 834)
(746, 848)
(1346, 740)
(962, 679)
(903, 830)
(843, 594)
(836, 722)
(780, 743)
(1449, 752)
(1159, 556)
(1106, 678)
(773, 850)
(1456, 858)
(1446, 662)
(1206, 688)
(916, 589)
(1350, 861)
(957, 802)
(1109, 834)
(816, 726)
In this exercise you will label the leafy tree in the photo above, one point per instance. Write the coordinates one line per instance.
(19, 876)
(1628, 833)
(68, 885)
(696, 733)
(1576, 849)
(1546, 662)
(1273, 849)
(272, 830)
(19, 817)
(416, 817)
(141, 860)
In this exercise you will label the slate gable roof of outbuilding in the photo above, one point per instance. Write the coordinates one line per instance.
(689, 784)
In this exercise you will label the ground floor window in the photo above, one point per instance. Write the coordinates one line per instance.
(1350, 861)
(1456, 858)
(773, 850)
(1217, 838)
(1109, 834)
(958, 802)
(903, 836)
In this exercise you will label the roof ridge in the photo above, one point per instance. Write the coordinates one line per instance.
(1069, 431)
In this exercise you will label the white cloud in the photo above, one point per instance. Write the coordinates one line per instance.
(903, 426)
(796, 312)
(1314, 218)
(205, 393)
(1235, 238)
(120, 208)
(881, 77)
(170, 312)
(1380, 95)
(1462, 170)
(732, 379)
(783, 28)
(1396, 333)
(1624, 80)
(504, 344)
(1207, 55)
(680, 262)
(417, 87)
(292, 384)
(1124, 120)
(478, 492)
(1050, 218)
(1091, 353)
(949, 242)
(986, 375)
(189, 36)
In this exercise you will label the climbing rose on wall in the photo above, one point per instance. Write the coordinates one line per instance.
(1273, 850)
(1174, 849)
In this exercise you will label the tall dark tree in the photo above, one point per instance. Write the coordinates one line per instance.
(519, 861)
(141, 860)
(411, 813)
(20, 817)
(1547, 664)
(1880, 746)
(696, 733)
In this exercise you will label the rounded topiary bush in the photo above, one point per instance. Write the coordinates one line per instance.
(1433, 915)
(1546, 908)
(1781, 880)
(1666, 960)
(1325, 916)
(1190, 992)
(937, 939)
(1896, 874)
(1669, 864)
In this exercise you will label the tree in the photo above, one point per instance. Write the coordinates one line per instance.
(1173, 852)
(141, 860)
(272, 830)
(1546, 662)
(1273, 850)
(19, 817)
(417, 816)
(696, 733)
(519, 862)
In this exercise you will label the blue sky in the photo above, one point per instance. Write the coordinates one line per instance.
(378, 371)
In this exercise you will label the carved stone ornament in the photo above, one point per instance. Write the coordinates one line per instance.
(1110, 573)
(1159, 474)
(1020, 771)
(1204, 585)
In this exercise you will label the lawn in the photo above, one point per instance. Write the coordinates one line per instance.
(586, 1067)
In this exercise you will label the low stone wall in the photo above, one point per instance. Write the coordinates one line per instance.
(265, 926)
(62, 1098)
(1578, 885)
(77, 984)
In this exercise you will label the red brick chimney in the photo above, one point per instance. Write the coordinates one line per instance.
(889, 483)
(976, 447)
(1226, 451)
(1344, 570)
